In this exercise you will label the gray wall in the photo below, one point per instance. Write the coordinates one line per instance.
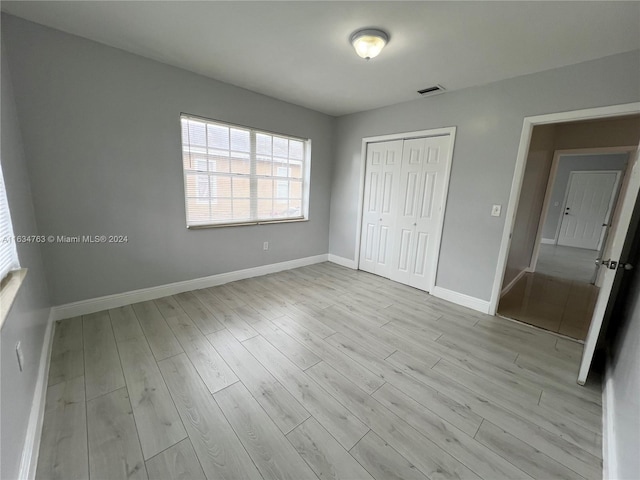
(102, 136)
(534, 185)
(27, 319)
(567, 164)
(489, 120)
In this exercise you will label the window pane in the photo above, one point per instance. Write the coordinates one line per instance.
(280, 207)
(197, 185)
(241, 187)
(198, 210)
(196, 134)
(240, 165)
(265, 188)
(295, 208)
(221, 210)
(240, 140)
(296, 149)
(265, 208)
(263, 167)
(295, 169)
(222, 185)
(219, 164)
(263, 144)
(241, 209)
(282, 189)
(280, 147)
(218, 136)
(295, 189)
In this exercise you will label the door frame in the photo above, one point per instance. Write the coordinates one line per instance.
(610, 204)
(435, 132)
(518, 175)
(557, 156)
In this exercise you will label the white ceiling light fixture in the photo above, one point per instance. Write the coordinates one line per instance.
(369, 42)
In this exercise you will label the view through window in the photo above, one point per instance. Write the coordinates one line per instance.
(235, 174)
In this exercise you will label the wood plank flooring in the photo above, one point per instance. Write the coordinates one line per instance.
(318, 372)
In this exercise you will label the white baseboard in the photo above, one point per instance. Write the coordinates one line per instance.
(609, 459)
(513, 282)
(31, 447)
(345, 262)
(548, 241)
(93, 305)
(461, 299)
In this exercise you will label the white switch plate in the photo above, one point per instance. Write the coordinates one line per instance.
(495, 210)
(265, 246)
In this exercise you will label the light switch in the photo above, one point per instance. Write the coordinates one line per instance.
(495, 210)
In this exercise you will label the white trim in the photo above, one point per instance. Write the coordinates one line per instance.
(461, 299)
(345, 262)
(518, 175)
(609, 458)
(506, 289)
(93, 305)
(31, 447)
(546, 241)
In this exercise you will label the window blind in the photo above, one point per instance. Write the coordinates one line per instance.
(239, 175)
(8, 253)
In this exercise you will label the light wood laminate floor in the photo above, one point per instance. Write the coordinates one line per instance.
(319, 372)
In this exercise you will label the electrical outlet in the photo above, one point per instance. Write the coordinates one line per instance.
(495, 210)
(19, 355)
(265, 246)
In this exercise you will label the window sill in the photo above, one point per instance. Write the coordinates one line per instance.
(244, 224)
(9, 291)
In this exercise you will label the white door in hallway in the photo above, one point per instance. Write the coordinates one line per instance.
(379, 211)
(422, 184)
(590, 198)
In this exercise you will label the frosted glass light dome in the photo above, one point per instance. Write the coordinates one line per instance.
(369, 43)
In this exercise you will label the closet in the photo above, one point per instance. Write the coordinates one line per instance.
(404, 196)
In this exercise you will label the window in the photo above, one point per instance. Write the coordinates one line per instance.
(238, 175)
(8, 253)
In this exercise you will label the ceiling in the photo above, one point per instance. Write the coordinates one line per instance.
(299, 51)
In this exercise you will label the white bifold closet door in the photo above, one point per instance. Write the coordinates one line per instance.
(401, 227)
(379, 209)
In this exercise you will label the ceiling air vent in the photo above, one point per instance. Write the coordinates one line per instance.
(427, 92)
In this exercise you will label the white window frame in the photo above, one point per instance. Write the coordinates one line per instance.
(253, 177)
(8, 253)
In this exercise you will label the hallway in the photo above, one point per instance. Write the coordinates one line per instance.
(559, 305)
(558, 296)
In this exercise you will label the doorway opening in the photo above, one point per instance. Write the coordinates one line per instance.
(613, 129)
(557, 291)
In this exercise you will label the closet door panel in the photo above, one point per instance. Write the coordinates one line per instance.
(434, 166)
(380, 206)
